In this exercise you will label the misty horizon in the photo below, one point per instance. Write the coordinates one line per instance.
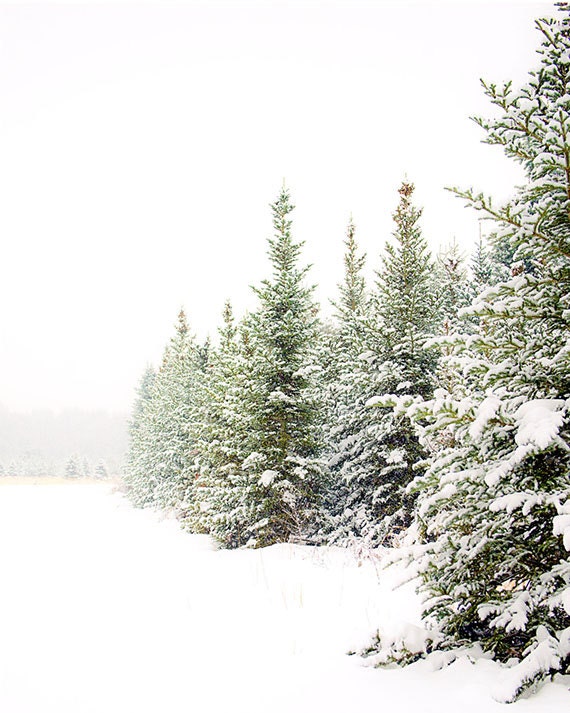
(42, 442)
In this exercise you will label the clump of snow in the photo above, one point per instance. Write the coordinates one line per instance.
(279, 396)
(405, 636)
(253, 460)
(561, 524)
(539, 421)
(267, 477)
(307, 370)
(486, 411)
(514, 501)
(506, 466)
(376, 401)
(395, 456)
(539, 662)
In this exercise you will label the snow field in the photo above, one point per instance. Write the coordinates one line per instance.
(107, 609)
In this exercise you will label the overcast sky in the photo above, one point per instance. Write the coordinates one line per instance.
(140, 146)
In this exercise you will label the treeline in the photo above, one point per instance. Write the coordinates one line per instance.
(75, 466)
(433, 410)
(268, 435)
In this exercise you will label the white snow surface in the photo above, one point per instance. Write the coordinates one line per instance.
(108, 609)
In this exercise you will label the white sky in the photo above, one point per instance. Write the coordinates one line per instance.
(141, 143)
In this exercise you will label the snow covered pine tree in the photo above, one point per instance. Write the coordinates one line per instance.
(494, 505)
(160, 460)
(284, 463)
(223, 491)
(346, 382)
(375, 450)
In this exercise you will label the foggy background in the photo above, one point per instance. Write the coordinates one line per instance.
(140, 146)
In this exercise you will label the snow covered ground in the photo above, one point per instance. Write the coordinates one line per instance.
(107, 609)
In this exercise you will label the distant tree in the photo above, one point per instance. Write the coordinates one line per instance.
(481, 268)
(452, 287)
(143, 396)
(101, 470)
(159, 463)
(203, 352)
(73, 467)
(352, 303)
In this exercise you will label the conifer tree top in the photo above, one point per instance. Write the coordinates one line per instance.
(406, 189)
(182, 324)
(403, 288)
(283, 251)
(352, 290)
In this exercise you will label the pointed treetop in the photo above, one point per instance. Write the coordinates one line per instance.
(406, 189)
(283, 251)
(182, 326)
(228, 313)
(352, 291)
(228, 330)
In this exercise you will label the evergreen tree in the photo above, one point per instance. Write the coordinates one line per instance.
(73, 467)
(284, 445)
(143, 396)
(405, 299)
(494, 506)
(347, 384)
(481, 268)
(101, 470)
(160, 460)
(376, 451)
(490, 263)
(139, 459)
(203, 352)
(222, 492)
(352, 303)
(452, 290)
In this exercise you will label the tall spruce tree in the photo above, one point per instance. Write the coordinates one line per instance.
(406, 305)
(405, 298)
(375, 451)
(284, 463)
(494, 505)
(346, 385)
